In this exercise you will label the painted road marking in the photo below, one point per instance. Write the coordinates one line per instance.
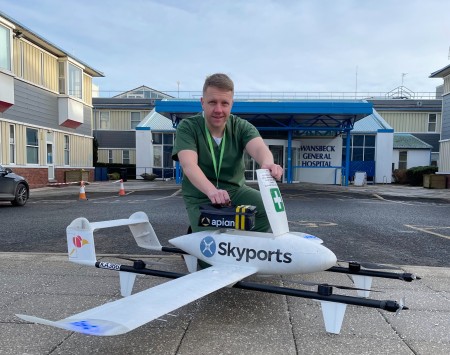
(314, 224)
(429, 230)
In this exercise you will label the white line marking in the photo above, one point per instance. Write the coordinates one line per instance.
(426, 230)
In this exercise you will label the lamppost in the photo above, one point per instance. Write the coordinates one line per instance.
(178, 84)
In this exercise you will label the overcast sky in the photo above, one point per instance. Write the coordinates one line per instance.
(264, 45)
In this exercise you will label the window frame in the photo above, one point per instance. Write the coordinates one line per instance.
(110, 156)
(363, 147)
(73, 81)
(32, 147)
(12, 144)
(107, 120)
(403, 163)
(123, 156)
(7, 58)
(162, 147)
(133, 126)
(432, 123)
(66, 150)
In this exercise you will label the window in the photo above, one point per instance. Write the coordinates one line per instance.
(157, 157)
(432, 120)
(362, 148)
(162, 152)
(135, 119)
(110, 156)
(75, 80)
(62, 77)
(104, 119)
(157, 138)
(66, 150)
(12, 144)
(32, 146)
(402, 159)
(126, 157)
(5, 48)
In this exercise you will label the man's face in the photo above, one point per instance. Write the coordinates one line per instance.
(216, 105)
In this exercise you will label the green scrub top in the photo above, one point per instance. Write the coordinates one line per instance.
(191, 135)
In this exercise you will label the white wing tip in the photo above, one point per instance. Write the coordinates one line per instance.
(99, 327)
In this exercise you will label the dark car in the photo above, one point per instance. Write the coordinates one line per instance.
(13, 187)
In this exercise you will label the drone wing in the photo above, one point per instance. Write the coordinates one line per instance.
(126, 314)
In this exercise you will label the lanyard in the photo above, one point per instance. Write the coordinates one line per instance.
(213, 154)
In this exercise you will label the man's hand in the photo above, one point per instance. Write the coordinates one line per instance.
(219, 197)
(275, 170)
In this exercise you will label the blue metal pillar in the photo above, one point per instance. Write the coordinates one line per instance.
(177, 172)
(347, 156)
(289, 158)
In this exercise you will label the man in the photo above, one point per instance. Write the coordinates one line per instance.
(210, 148)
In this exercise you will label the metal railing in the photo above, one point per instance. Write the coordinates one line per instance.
(398, 93)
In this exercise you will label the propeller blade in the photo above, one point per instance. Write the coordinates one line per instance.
(341, 287)
(372, 266)
(401, 307)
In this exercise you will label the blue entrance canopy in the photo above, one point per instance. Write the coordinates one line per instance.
(285, 119)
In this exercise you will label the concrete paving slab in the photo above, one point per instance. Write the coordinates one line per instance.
(230, 321)
(429, 348)
(16, 338)
(233, 321)
(144, 340)
(51, 306)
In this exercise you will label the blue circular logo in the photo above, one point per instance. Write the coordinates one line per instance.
(208, 246)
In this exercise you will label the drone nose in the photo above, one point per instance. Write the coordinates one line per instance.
(328, 258)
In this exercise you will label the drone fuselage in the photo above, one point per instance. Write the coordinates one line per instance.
(285, 254)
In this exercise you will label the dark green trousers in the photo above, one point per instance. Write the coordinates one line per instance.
(243, 195)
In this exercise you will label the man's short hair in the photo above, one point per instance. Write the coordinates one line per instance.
(220, 81)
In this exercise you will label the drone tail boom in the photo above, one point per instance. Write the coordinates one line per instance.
(81, 245)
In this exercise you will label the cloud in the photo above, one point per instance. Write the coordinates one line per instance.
(265, 45)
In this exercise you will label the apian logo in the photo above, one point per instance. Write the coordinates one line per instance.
(205, 221)
(208, 246)
(277, 200)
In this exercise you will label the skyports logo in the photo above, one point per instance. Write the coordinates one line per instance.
(247, 254)
(276, 199)
(208, 246)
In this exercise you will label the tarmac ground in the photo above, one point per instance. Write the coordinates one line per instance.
(229, 321)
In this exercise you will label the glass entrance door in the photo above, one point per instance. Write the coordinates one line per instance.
(50, 165)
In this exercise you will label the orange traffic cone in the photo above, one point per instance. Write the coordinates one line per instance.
(82, 195)
(122, 189)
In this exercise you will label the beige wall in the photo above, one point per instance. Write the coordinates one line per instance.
(103, 155)
(41, 68)
(444, 157)
(411, 122)
(118, 120)
(80, 146)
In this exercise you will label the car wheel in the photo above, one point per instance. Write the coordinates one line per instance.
(21, 195)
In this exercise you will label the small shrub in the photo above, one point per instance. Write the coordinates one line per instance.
(114, 176)
(400, 176)
(149, 177)
(415, 175)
